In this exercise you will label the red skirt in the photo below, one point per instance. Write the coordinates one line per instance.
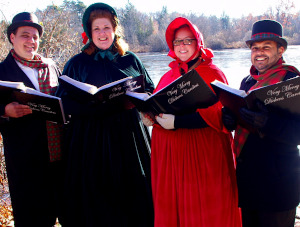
(193, 178)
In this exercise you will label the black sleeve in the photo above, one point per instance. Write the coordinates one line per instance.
(190, 121)
(282, 128)
(247, 83)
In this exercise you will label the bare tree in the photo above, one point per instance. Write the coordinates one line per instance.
(62, 31)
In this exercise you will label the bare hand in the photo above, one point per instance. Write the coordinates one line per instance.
(16, 110)
(146, 119)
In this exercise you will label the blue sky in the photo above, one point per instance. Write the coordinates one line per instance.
(233, 8)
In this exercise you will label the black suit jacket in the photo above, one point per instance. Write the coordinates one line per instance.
(268, 168)
(26, 153)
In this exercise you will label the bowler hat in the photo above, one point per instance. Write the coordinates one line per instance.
(267, 30)
(24, 19)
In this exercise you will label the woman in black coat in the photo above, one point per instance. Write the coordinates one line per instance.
(108, 172)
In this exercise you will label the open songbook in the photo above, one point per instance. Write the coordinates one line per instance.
(184, 95)
(43, 105)
(283, 97)
(9, 85)
(85, 92)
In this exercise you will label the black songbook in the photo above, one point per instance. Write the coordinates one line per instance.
(84, 92)
(184, 95)
(43, 105)
(283, 97)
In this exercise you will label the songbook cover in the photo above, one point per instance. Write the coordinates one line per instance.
(84, 92)
(43, 106)
(184, 95)
(47, 107)
(283, 97)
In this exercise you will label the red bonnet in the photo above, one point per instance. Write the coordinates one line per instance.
(177, 23)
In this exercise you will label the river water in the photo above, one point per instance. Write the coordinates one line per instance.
(235, 63)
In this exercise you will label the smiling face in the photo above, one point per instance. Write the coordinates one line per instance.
(265, 54)
(25, 41)
(103, 33)
(184, 52)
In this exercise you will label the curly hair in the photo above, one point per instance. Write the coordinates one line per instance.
(120, 45)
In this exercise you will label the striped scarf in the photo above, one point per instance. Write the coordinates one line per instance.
(272, 76)
(54, 131)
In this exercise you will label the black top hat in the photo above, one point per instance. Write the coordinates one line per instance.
(24, 19)
(267, 30)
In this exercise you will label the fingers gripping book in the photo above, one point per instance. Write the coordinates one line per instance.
(42, 105)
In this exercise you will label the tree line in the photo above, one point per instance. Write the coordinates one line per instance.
(145, 32)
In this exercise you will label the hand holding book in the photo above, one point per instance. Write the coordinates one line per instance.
(256, 119)
(42, 105)
(146, 119)
(16, 110)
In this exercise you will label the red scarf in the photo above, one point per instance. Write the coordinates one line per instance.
(54, 131)
(272, 76)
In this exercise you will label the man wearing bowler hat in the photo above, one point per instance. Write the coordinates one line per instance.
(268, 162)
(31, 145)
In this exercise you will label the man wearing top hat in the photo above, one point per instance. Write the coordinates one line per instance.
(268, 162)
(31, 145)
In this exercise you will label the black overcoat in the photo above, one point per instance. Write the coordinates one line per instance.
(108, 172)
(29, 172)
(268, 168)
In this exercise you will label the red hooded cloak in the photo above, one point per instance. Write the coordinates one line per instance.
(193, 174)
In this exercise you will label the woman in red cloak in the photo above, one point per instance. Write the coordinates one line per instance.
(193, 174)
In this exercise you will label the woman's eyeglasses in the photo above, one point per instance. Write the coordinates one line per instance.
(177, 42)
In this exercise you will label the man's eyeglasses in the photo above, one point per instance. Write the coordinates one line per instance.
(177, 42)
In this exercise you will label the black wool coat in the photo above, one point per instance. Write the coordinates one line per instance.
(27, 158)
(268, 168)
(108, 171)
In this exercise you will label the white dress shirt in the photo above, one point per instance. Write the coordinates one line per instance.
(31, 73)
